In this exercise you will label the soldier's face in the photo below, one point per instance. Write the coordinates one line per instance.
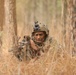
(39, 37)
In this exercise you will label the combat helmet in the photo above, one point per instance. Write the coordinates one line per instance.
(40, 27)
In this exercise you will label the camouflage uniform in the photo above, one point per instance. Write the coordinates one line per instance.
(26, 52)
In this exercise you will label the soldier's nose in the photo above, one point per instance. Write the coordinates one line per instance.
(38, 36)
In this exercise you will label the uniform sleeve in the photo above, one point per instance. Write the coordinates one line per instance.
(20, 52)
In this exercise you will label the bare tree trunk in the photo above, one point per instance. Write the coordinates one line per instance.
(55, 13)
(46, 12)
(74, 28)
(68, 25)
(10, 27)
(63, 18)
(1, 14)
(68, 36)
(38, 10)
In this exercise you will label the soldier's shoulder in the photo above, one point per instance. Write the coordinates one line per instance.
(52, 40)
(54, 43)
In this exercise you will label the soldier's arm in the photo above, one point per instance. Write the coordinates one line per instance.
(20, 52)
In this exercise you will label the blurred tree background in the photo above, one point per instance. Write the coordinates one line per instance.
(17, 18)
(46, 12)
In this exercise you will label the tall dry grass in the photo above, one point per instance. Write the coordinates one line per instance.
(56, 61)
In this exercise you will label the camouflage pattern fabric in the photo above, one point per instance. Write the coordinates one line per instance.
(25, 52)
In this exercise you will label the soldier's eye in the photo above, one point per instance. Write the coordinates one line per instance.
(40, 34)
(36, 35)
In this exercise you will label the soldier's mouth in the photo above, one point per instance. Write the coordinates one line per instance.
(39, 41)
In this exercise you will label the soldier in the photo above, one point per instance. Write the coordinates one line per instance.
(36, 45)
